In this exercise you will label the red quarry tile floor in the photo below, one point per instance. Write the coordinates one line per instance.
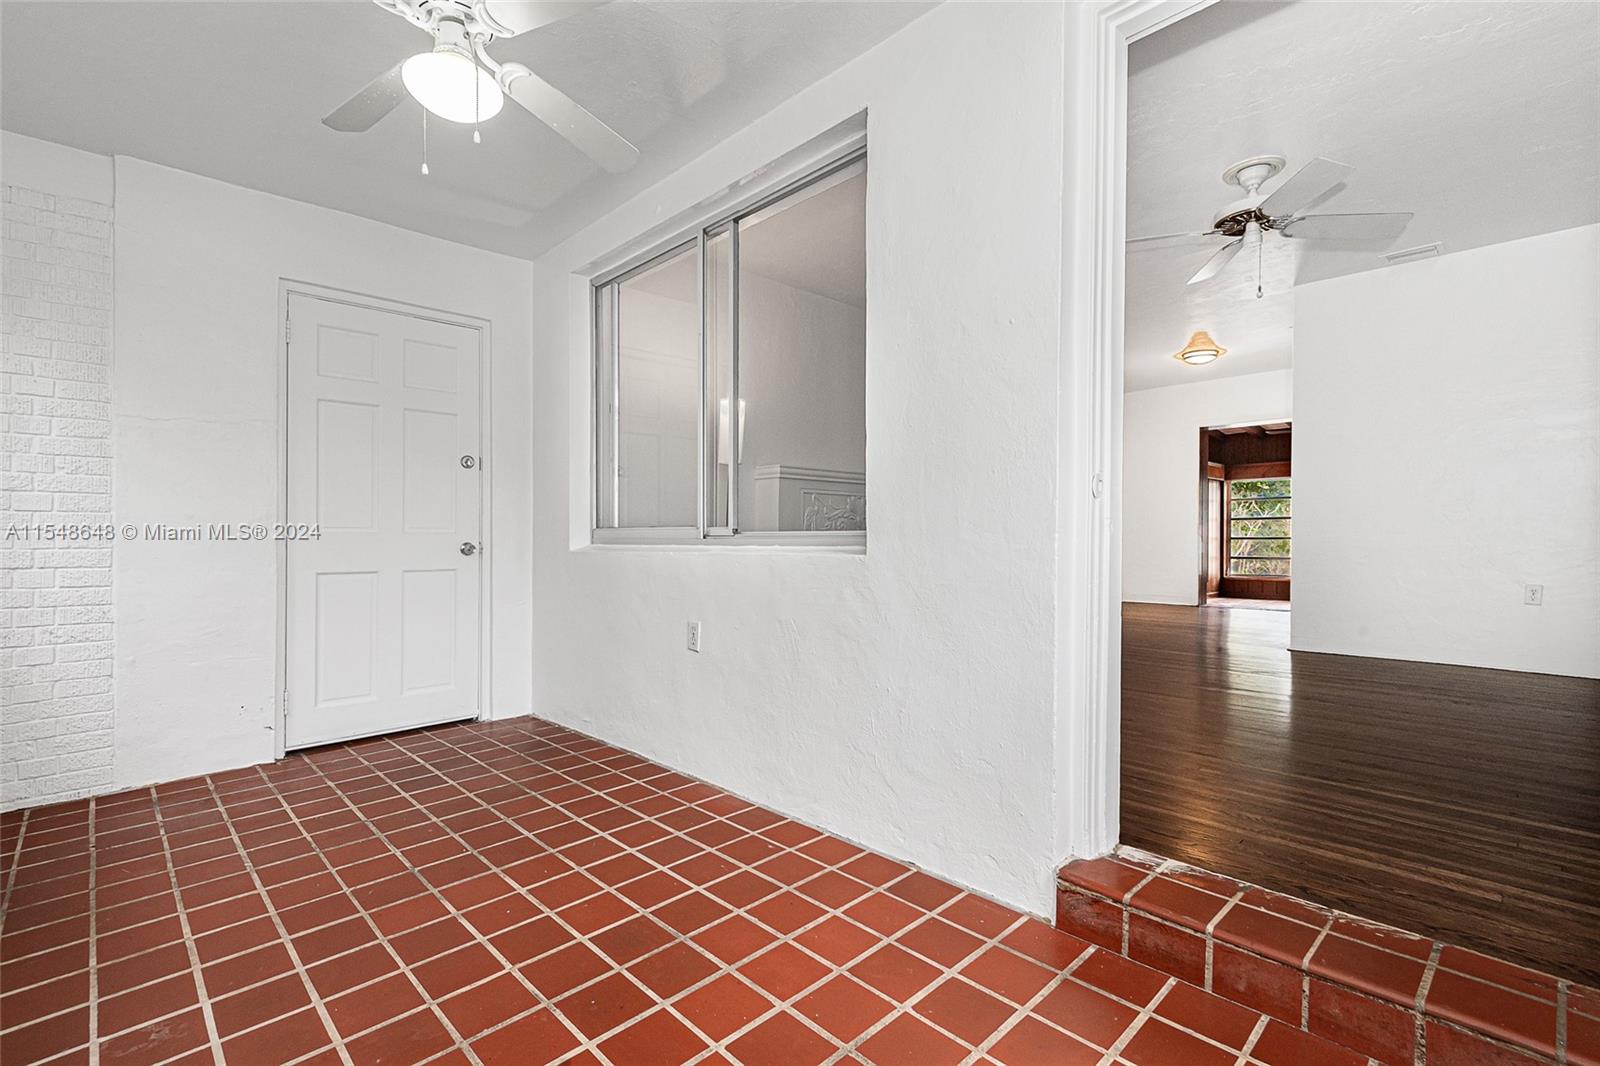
(519, 893)
(1403, 999)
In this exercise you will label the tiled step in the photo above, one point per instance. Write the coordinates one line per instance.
(1402, 999)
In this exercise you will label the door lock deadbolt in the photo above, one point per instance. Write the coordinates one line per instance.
(468, 462)
(468, 548)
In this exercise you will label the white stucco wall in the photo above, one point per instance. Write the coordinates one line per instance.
(1161, 474)
(196, 388)
(903, 698)
(1447, 453)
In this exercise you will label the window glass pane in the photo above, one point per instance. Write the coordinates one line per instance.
(605, 421)
(1264, 488)
(658, 394)
(1261, 508)
(1253, 549)
(801, 274)
(719, 371)
(1258, 527)
(1261, 527)
(1259, 568)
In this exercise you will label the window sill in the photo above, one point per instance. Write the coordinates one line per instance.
(848, 543)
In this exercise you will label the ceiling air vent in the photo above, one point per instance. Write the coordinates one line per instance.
(1421, 251)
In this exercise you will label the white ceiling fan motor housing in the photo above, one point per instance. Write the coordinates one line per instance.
(1249, 175)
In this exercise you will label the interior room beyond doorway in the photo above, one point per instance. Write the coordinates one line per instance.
(1246, 509)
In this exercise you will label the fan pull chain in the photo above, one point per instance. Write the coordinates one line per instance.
(477, 109)
(1260, 240)
(424, 141)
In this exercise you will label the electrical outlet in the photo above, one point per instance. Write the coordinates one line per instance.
(1533, 595)
(694, 636)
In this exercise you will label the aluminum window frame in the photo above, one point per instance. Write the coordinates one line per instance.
(605, 352)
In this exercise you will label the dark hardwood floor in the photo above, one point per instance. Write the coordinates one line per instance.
(1456, 802)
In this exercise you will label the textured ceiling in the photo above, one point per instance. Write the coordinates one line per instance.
(1482, 118)
(236, 91)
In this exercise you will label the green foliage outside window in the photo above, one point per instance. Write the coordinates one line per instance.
(1258, 527)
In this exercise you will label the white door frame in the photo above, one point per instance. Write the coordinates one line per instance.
(1089, 685)
(288, 287)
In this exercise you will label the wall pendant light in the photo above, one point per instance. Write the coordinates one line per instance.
(450, 84)
(1200, 350)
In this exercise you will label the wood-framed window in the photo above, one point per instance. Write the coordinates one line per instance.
(1259, 509)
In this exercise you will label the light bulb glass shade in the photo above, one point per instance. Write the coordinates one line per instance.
(1200, 350)
(449, 84)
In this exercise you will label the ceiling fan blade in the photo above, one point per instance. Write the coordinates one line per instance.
(1308, 183)
(520, 16)
(1364, 227)
(567, 117)
(363, 110)
(1174, 237)
(1215, 264)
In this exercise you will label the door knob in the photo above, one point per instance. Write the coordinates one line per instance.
(468, 548)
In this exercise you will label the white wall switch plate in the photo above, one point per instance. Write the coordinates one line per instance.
(1533, 595)
(694, 636)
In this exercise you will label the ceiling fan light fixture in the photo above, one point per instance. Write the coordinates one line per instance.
(1200, 350)
(450, 84)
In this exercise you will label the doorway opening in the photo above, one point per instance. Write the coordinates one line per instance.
(1247, 503)
(1361, 749)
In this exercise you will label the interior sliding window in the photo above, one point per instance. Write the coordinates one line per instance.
(648, 389)
(774, 409)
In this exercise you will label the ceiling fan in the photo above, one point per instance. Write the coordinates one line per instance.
(1246, 221)
(460, 81)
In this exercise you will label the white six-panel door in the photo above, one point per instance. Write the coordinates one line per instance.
(383, 605)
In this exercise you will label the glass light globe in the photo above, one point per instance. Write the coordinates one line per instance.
(443, 82)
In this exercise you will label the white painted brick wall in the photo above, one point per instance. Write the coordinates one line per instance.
(55, 469)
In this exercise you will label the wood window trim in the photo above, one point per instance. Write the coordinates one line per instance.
(1256, 588)
(1257, 471)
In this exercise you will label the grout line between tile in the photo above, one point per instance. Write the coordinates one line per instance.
(1250, 1041)
(16, 865)
(1026, 1010)
(1210, 933)
(1305, 978)
(1134, 1026)
(188, 940)
(1562, 994)
(1419, 1040)
(289, 946)
(94, 968)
